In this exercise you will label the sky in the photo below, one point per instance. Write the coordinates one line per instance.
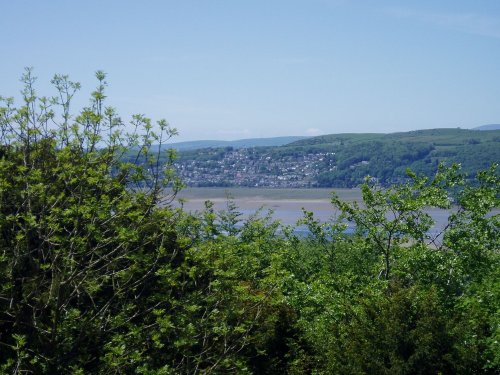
(233, 69)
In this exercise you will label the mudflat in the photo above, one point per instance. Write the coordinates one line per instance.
(286, 204)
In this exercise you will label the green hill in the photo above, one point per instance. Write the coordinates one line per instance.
(436, 136)
(341, 160)
(387, 156)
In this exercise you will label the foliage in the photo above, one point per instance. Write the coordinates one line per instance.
(99, 273)
(395, 297)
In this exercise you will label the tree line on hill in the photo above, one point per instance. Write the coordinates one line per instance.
(100, 274)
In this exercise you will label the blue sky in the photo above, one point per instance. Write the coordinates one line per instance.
(231, 69)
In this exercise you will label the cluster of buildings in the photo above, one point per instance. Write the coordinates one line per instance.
(251, 167)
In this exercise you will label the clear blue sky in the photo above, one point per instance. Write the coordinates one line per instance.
(230, 69)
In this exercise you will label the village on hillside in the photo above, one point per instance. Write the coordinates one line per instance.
(244, 167)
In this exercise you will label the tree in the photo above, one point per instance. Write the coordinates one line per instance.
(81, 235)
(393, 297)
(395, 216)
(98, 273)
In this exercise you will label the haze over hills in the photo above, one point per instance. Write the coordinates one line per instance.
(240, 143)
(488, 127)
(284, 140)
(340, 160)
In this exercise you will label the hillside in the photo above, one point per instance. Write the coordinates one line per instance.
(445, 136)
(340, 160)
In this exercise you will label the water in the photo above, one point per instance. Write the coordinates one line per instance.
(287, 204)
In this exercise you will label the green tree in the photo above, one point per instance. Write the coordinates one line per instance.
(81, 235)
(98, 274)
(394, 298)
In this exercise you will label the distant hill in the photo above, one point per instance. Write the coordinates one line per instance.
(488, 127)
(440, 136)
(240, 143)
(341, 160)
